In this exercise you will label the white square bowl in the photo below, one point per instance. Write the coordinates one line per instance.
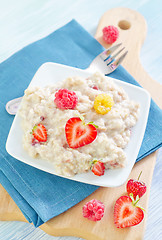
(50, 73)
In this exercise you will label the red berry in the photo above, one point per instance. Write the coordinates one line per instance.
(42, 118)
(78, 133)
(136, 188)
(93, 210)
(40, 133)
(95, 87)
(127, 214)
(98, 168)
(110, 34)
(65, 99)
(34, 141)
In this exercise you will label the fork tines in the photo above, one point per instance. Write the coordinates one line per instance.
(110, 59)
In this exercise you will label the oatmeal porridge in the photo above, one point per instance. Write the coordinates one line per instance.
(113, 128)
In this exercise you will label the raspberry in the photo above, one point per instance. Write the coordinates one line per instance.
(65, 99)
(93, 210)
(103, 103)
(110, 34)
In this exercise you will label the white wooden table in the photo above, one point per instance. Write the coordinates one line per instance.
(25, 21)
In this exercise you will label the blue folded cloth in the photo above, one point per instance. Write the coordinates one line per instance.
(40, 195)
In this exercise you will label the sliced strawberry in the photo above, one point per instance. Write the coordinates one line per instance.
(127, 214)
(40, 133)
(78, 133)
(98, 168)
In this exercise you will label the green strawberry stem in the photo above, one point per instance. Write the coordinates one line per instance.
(139, 176)
(92, 123)
(135, 201)
(33, 129)
(82, 119)
(142, 209)
(91, 163)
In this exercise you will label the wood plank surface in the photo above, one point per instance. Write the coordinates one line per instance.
(132, 34)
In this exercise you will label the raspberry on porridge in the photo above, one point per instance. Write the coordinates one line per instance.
(112, 129)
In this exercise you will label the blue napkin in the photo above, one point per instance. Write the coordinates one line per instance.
(40, 195)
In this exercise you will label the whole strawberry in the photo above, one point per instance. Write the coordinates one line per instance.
(136, 187)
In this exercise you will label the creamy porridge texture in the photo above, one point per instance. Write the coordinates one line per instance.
(113, 132)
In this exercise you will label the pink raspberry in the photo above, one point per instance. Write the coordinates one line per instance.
(110, 34)
(93, 210)
(66, 99)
